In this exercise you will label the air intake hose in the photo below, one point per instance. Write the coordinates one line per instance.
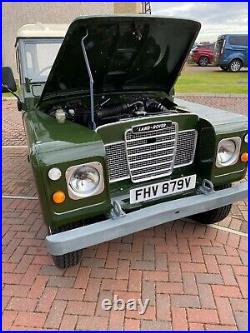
(111, 111)
(153, 106)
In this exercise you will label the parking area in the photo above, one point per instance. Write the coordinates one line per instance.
(195, 276)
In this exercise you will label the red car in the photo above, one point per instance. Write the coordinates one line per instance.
(203, 54)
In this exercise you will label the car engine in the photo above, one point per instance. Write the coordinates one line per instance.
(107, 111)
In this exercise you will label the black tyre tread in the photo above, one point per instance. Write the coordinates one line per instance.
(224, 68)
(215, 215)
(67, 260)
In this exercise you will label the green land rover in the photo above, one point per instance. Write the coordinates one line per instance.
(112, 151)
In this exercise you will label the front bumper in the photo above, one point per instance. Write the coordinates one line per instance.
(125, 224)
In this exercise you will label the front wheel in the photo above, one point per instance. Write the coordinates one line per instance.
(203, 61)
(214, 215)
(235, 65)
(67, 260)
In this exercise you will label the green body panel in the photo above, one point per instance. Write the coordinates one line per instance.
(185, 121)
(63, 145)
(222, 121)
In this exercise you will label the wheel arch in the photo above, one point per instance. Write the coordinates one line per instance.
(237, 56)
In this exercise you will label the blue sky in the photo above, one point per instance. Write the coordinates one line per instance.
(217, 18)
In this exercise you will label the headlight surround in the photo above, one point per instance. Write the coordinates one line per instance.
(85, 180)
(228, 152)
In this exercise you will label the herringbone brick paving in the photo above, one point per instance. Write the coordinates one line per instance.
(195, 276)
(188, 271)
(234, 104)
(12, 122)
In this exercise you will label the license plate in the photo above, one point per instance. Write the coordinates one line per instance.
(162, 189)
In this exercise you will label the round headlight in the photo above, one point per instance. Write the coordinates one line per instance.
(84, 180)
(228, 152)
(54, 174)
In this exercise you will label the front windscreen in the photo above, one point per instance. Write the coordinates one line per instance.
(39, 57)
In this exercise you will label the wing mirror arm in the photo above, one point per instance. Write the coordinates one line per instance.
(19, 102)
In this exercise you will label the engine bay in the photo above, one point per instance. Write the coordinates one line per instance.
(112, 109)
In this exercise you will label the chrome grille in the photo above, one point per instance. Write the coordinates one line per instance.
(156, 148)
(141, 157)
(186, 144)
(161, 132)
(158, 139)
(140, 146)
(148, 162)
(117, 159)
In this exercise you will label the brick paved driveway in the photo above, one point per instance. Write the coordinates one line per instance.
(195, 276)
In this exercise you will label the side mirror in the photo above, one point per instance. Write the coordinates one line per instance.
(8, 81)
(9, 85)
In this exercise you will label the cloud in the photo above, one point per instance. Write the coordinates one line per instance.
(216, 17)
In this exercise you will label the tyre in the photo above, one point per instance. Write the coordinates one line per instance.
(235, 65)
(215, 215)
(203, 61)
(224, 68)
(67, 260)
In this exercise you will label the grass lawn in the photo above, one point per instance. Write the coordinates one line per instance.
(212, 82)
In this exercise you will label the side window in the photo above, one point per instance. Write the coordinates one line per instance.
(238, 40)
